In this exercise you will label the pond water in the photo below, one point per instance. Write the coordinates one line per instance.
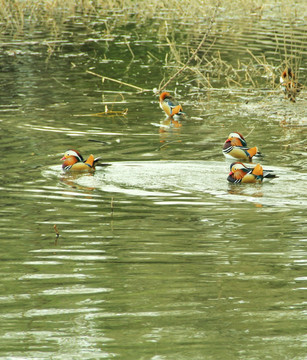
(158, 257)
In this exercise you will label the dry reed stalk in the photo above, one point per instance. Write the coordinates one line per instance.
(106, 112)
(129, 48)
(229, 80)
(173, 50)
(204, 77)
(117, 81)
(61, 10)
(249, 77)
(197, 49)
(153, 56)
(249, 132)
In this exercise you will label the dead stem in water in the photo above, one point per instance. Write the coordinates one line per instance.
(194, 54)
(117, 81)
(107, 112)
(19, 16)
(56, 233)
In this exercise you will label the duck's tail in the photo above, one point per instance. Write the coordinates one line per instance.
(254, 152)
(258, 170)
(90, 161)
(177, 110)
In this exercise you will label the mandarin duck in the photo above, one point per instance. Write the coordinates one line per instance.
(239, 173)
(289, 84)
(169, 105)
(235, 147)
(74, 162)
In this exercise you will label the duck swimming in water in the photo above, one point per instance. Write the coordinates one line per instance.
(239, 173)
(235, 147)
(73, 162)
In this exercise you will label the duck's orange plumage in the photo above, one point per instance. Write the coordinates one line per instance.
(239, 173)
(168, 104)
(235, 147)
(73, 162)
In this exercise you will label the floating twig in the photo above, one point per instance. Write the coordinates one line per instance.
(117, 81)
(128, 45)
(112, 206)
(168, 143)
(249, 132)
(100, 141)
(57, 234)
(107, 112)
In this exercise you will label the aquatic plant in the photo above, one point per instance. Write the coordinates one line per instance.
(17, 14)
(198, 61)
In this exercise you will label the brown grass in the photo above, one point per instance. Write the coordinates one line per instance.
(18, 14)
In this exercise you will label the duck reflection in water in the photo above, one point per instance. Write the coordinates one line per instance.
(170, 131)
(255, 191)
(70, 180)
